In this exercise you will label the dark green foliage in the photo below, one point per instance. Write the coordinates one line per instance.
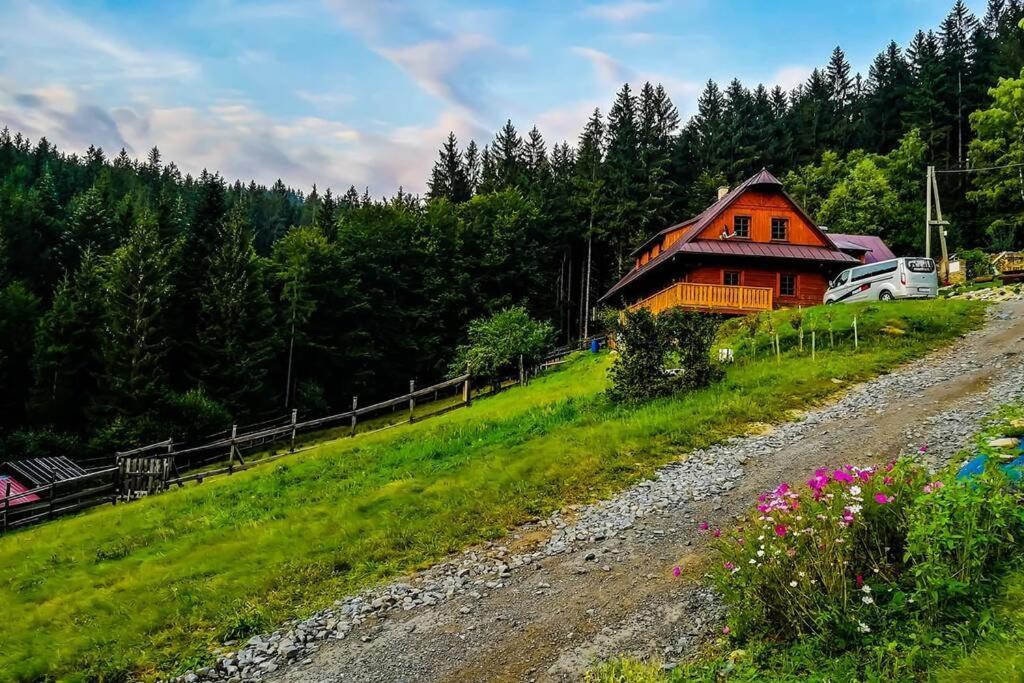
(976, 263)
(649, 344)
(380, 291)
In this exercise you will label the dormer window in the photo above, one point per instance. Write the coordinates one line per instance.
(780, 229)
(741, 226)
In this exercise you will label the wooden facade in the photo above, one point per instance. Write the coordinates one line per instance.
(753, 249)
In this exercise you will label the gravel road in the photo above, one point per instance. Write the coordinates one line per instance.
(597, 581)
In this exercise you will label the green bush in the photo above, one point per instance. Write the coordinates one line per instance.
(497, 343)
(976, 263)
(648, 342)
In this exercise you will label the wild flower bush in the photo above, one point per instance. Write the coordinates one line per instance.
(858, 550)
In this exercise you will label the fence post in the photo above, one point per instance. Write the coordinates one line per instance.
(231, 452)
(295, 421)
(813, 344)
(467, 394)
(53, 495)
(522, 379)
(778, 349)
(355, 404)
(7, 503)
(412, 399)
(856, 343)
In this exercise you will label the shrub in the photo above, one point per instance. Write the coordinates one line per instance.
(496, 344)
(199, 414)
(976, 263)
(646, 342)
(861, 550)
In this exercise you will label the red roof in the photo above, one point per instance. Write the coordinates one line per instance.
(873, 247)
(16, 488)
(694, 226)
(736, 247)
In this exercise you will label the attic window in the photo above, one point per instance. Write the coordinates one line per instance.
(741, 226)
(780, 229)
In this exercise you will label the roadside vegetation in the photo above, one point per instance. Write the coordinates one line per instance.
(875, 573)
(152, 588)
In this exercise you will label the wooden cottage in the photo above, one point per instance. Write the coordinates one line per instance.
(754, 249)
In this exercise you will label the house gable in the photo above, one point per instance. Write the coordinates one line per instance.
(761, 206)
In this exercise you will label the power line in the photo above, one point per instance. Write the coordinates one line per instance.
(977, 170)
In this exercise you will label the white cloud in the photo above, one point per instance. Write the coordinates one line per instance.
(788, 77)
(239, 140)
(608, 70)
(622, 12)
(67, 40)
(454, 66)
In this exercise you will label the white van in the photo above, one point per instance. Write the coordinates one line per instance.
(899, 278)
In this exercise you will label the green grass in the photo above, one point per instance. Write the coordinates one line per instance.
(152, 587)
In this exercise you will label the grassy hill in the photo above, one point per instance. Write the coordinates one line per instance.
(149, 588)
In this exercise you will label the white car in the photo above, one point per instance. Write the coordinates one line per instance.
(900, 278)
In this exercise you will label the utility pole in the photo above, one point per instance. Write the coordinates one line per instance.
(291, 349)
(932, 191)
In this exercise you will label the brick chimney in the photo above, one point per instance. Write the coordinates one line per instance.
(722, 191)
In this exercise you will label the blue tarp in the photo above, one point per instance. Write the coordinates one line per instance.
(976, 466)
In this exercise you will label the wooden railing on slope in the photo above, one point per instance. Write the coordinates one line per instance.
(712, 298)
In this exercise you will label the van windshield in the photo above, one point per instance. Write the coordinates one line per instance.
(842, 278)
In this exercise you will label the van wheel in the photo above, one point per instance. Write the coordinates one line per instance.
(886, 295)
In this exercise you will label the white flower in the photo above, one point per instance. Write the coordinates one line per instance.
(802, 574)
(792, 584)
(855, 509)
(855, 490)
(868, 600)
(865, 588)
(863, 628)
(752, 560)
(760, 553)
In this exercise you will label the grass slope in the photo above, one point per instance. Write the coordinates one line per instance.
(150, 588)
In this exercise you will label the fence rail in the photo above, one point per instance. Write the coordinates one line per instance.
(154, 467)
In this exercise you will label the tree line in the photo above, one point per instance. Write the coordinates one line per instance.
(137, 301)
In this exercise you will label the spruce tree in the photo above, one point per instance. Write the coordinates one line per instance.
(68, 361)
(471, 162)
(449, 178)
(138, 285)
(508, 156)
(236, 329)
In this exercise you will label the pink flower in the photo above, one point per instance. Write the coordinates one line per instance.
(842, 476)
(882, 499)
(780, 530)
(703, 526)
(716, 533)
(887, 481)
(729, 565)
(740, 541)
(725, 630)
(676, 571)
(923, 449)
(934, 486)
(782, 490)
(860, 580)
(865, 475)
(791, 552)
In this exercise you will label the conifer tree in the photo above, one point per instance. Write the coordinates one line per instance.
(449, 178)
(138, 284)
(236, 329)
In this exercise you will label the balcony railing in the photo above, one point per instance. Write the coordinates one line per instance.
(733, 299)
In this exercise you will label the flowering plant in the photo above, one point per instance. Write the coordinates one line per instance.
(821, 558)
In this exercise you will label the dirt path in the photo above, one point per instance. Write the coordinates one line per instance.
(616, 595)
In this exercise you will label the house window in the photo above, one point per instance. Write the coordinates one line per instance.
(731, 277)
(780, 229)
(787, 284)
(741, 226)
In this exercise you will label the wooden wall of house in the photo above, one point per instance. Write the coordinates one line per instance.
(761, 207)
(810, 285)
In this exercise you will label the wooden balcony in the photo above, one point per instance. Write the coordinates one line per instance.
(728, 299)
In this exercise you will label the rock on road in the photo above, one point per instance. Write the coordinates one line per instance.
(599, 582)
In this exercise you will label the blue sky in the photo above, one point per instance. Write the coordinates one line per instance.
(342, 92)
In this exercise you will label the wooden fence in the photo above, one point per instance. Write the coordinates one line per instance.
(153, 468)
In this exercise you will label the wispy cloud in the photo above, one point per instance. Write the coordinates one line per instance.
(69, 40)
(608, 70)
(453, 66)
(623, 12)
